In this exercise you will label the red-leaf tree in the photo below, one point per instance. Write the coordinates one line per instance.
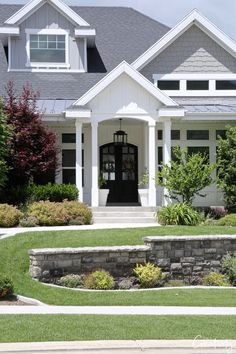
(33, 152)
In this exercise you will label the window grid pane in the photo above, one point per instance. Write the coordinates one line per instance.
(47, 48)
(197, 134)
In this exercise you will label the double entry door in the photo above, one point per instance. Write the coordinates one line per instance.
(119, 171)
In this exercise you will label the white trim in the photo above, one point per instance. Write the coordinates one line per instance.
(199, 93)
(29, 8)
(77, 113)
(168, 112)
(9, 53)
(85, 32)
(56, 31)
(195, 76)
(44, 65)
(124, 67)
(10, 30)
(46, 70)
(193, 18)
(85, 55)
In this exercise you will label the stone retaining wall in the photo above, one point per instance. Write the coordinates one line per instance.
(181, 256)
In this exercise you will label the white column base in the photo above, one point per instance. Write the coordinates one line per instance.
(152, 197)
(95, 197)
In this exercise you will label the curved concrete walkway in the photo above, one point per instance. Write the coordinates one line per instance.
(4, 233)
(118, 310)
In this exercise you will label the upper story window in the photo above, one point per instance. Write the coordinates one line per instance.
(168, 85)
(225, 84)
(197, 85)
(47, 48)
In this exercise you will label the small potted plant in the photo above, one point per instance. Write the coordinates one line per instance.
(103, 192)
(143, 188)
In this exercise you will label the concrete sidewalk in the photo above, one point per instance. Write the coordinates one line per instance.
(4, 232)
(121, 346)
(118, 310)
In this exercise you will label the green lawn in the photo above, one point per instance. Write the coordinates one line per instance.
(28, 328)
(14, 261)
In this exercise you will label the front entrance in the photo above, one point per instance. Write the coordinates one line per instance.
(119, 168)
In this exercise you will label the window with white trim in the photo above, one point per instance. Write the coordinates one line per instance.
(47, 48)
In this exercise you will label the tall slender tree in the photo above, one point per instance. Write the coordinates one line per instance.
(5, 136)
(33, 152)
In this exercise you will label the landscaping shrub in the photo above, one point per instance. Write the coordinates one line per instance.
(229, 267)
(99, 280)
(79, 213)
(9, 215)
(28, 221)
(49, 214)
(215, 279)
(148, 275)
(52, 192)
(228, 220)
(6, 286)
(175, 283)
(179, 214)
(70, 281)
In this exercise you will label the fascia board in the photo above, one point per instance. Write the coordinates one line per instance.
(125, 68)
(85, 32)
(33, 4)
(10, 30)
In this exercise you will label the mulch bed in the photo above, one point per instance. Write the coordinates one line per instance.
(12, 301)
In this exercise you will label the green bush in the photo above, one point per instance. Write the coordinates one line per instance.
(179, 214)
(229, 267)
(175, 283)
(215, 279)
(9, 215)
(52, 192)
(78, 212)
(6, 286)
(228, 220)
(99, 280)
(149, 275)
(28, 221)
(49, 214)
(70, 281)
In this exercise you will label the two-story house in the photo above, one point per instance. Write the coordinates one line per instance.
(110, 74)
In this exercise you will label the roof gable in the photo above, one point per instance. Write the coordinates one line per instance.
(124, 67)
(34, 5)
(194, 18)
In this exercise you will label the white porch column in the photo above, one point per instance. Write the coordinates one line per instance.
(79, 183)
(94, 141)
(166, 153)
(152, 162)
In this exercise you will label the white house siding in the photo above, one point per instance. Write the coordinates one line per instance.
(192, 52)
(46, 17)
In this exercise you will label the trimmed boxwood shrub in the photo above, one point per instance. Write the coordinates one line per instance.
(215, 279)
(149, 275)
(6, 286)
(228, 220)
(99, 280)
(70, 281)
(79, 213)
(9, 215)
(179, 214)
(52, 192)
(49, 214)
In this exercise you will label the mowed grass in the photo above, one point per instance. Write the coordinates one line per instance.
(14, 261)
(37, 328)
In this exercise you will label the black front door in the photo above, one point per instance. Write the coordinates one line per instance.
(119, 168)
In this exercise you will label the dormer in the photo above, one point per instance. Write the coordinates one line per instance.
(47, 35)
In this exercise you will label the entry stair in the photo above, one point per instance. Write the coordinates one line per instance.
(123, 215)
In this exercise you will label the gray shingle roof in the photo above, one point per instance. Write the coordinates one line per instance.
(122, 34)
(207, 104)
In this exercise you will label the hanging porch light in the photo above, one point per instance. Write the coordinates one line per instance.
(120, 137)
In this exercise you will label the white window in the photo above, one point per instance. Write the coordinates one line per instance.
(47, 48)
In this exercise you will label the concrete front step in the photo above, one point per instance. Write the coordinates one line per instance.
(123, 215)
(123, 220)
